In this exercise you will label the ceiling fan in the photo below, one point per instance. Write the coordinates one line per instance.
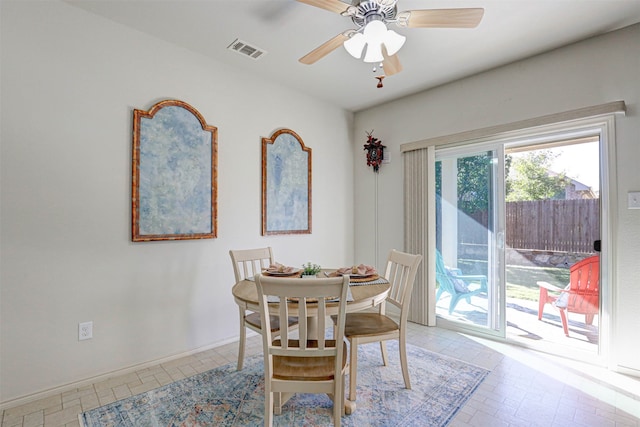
(371, 18)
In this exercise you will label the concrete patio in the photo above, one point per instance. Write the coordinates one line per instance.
(524, 328)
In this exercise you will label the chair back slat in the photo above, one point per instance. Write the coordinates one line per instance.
(322, 320)
(584, 292)
(249, 262)
(401, 272)
(284, 314)
(302, 314)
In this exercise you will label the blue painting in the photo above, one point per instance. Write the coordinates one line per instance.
(286, 184)
(174, 167)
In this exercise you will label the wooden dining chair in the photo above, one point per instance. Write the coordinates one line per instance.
(365, 327)
(301, 364)
(248, 263)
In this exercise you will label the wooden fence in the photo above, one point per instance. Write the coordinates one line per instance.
(550, 225)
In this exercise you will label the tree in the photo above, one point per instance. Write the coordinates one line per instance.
(531, 179)
(473, 181)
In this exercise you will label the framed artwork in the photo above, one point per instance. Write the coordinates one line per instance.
(174, 179)
(286, 184)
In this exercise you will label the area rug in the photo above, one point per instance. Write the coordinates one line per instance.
(440, 385)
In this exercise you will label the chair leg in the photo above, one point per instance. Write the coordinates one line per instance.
(243, 338)
(453, 303)
(353, 370)
(402, 344)
(343, 391)
(565, 326)
(268, 407)
(338, 403)
(542, 300)
(588, 318)
(383, 350)
(277, 403)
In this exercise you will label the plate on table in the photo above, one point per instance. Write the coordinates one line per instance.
(360, 277)
(355, 277)
(277, 273)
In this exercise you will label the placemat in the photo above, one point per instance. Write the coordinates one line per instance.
(378, 281)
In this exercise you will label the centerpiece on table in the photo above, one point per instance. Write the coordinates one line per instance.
(310, 270)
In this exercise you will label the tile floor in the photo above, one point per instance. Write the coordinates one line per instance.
(524, 388)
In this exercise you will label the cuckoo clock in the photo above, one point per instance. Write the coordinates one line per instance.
(375, 151)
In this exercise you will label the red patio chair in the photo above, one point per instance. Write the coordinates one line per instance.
(580, 296)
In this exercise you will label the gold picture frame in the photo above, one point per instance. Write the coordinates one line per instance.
(174, 174)
(286, 184)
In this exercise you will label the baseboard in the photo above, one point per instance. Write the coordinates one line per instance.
(102, 377)
(627, 371)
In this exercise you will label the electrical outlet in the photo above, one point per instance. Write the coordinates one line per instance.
(85, 331)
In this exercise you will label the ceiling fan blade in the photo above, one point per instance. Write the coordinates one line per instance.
(391, 64)
(330, 5)
(325, 48)
(441, 18)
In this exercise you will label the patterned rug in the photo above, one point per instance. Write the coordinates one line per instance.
(226, 397)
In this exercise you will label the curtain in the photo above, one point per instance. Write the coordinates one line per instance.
(419, 230)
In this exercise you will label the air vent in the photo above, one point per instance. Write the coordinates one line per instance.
(244, 48)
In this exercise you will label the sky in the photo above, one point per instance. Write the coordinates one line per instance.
(580, 162)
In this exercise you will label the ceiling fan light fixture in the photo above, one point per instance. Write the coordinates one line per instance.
(393, 42)
(374, 53)
(373, 39)
(355, 45)
(375, 33)
(373, 36)
(375, 30)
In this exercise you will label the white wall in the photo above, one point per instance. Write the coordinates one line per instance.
(70, 81)
(592, 72)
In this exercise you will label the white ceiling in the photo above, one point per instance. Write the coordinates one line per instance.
(510, 30)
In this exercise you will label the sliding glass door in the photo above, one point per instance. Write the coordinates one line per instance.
(506, 217)
(470, 237)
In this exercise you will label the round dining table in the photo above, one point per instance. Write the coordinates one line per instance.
(365, 296)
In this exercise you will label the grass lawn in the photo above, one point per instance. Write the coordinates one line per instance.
(522, 280)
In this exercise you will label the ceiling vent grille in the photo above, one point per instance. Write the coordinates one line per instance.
(244, 48)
